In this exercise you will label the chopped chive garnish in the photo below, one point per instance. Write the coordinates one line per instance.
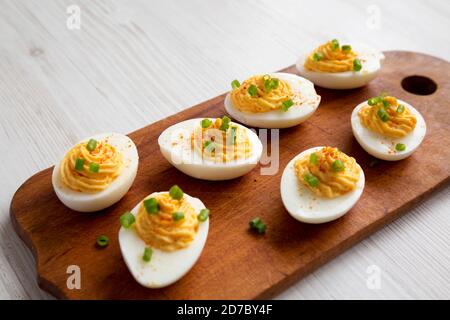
(94, 167)
(79, 164)
(177, 216)
(311, 180)
(91, 145)
(383, 115)
(386, 103)
(313, 158)
(257, 225)
(233, 135)
(338, 165)
(127, 219)
(357, 66)
(400, 147)
(346, 48)
(147, 256)
(176, 193)
(317, 56)
(151, 206)
(205, 123)
(400, 108)
(209, 146)
(225, 123)
(203, 215)
(270, 84)
(102, 241)
(285, 105)
(374, 101)
(235, 84)
(253, 90)
(335, 44)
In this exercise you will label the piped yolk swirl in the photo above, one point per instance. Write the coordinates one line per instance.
(263, 101)
(333, 60)
(160, 231)
(398, 125)
(107, 157)
(221, 146)
(331, 183)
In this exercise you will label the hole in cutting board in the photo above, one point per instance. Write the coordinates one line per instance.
(419, 85)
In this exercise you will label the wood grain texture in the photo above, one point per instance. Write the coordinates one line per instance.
(228, 267)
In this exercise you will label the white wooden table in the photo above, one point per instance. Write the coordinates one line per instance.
(134, 62)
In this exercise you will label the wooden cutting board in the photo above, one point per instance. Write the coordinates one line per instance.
(235, 263)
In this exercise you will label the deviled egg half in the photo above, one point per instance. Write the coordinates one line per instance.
(163, 237)
(276, 100)
(211, 149)
(388, 128)
(340, 67)
(321, 184)
(96, 173)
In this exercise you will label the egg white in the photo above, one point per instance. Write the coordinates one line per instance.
(371, 65)
(383, 147)
(89, 202)
(164, 268)
(175, 145)
(305, 206)
(296, 114)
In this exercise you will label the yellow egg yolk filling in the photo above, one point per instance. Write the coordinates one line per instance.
(106, 160)
(387, 118)
(329, 58)
(159, 230)
(218, 145)
(328, 172)
(264, 100)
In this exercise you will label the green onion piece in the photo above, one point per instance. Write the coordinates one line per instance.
(253, 90)
(374, 101)
(270, 84)
(317, 56)
(311, 180)
(176, 193)
(177, 216)
(335, 44)
(313, 158)
(94, 167)
(338, 165)
(257, 225)
(235, 84)
(147, 256)
(225, 123)
(400, 108)
(151, 206)
(285, 105)
(209, 146)
(357, 66)
(127, 219)
(205, 123)
(91, 145)
(102, 241)
(203, 215)
(383, 115)
(79, 164)
(386, 103)
(400, 147)
(233, 135)
(346, 48)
